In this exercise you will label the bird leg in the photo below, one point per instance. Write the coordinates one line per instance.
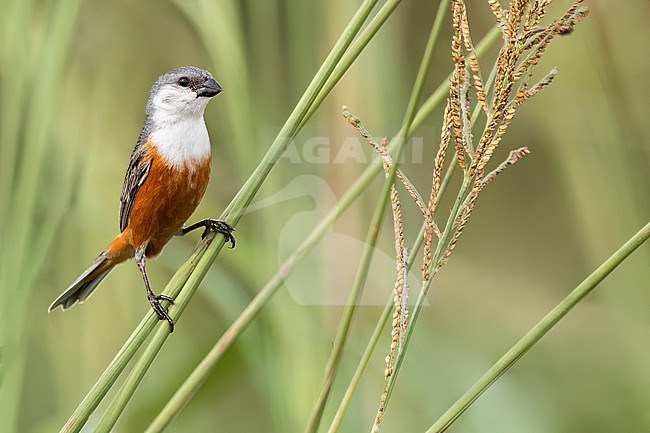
(218, 226)
(154, 299)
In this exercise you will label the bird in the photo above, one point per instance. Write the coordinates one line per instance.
(166, 177)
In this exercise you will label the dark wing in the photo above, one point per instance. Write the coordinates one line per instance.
(139, 165)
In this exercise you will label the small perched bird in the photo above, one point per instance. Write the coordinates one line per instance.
(166, 178)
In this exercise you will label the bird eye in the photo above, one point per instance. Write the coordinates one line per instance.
(183, 81)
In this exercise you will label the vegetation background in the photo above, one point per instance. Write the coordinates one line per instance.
(536, 232)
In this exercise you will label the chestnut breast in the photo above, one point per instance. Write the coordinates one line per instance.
(169, 195)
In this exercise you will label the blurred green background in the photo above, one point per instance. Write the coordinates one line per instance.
(75, 78)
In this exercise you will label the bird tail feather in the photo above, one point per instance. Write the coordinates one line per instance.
(83, 286)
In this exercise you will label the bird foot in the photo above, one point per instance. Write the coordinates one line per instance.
(222, 227)
(162, 313)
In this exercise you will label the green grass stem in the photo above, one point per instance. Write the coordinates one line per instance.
(539, 330)
(383, 318)
(90, 402)
(238, 205)
(372, 344)
(342, 332)
(353, 52)
(375, 225)
(415, 312)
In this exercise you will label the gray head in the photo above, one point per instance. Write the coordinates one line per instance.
(180, 94)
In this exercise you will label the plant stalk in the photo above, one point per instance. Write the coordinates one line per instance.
(375, 225)
(539, 330)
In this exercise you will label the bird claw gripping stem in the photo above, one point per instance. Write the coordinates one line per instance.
(215, 225)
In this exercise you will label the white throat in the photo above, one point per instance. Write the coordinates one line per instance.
(182, 143)
(177, 127)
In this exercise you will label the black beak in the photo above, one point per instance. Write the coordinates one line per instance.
(209, 89)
